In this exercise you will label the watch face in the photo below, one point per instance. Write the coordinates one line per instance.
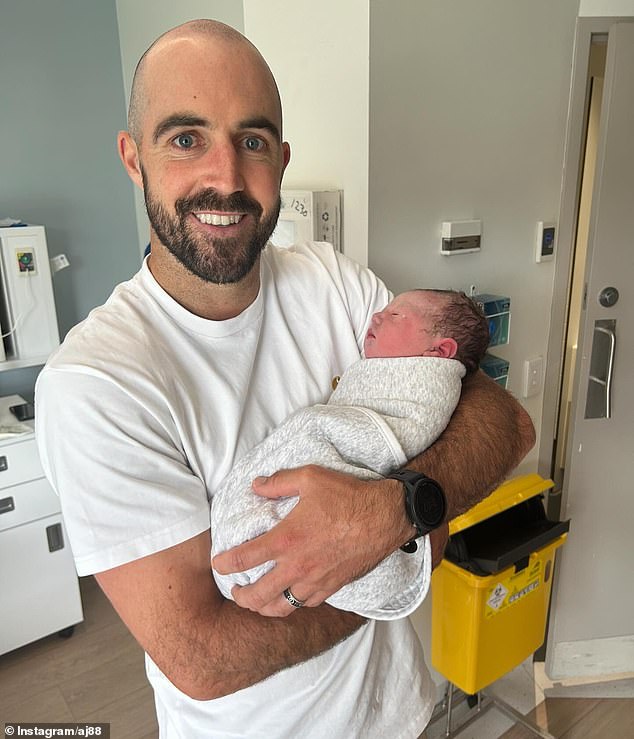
(429, 503)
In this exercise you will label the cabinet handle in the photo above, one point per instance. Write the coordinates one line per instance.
(55, 537)
(6, 505)
(4, 464)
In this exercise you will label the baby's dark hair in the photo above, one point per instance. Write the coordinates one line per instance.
(462, 319)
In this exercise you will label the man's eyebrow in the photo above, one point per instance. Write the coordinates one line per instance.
(262, 122)
(178, 120)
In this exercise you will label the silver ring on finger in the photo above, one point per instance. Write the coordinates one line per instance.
(292, 599)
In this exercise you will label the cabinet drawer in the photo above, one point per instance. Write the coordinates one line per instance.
(22, 503)
(40, 592)
(19, 462)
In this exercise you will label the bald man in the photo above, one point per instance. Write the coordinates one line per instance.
(150, 401)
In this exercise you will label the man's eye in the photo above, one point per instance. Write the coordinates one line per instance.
(253, 143)
(184, 141)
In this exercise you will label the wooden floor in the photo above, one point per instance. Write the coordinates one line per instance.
(580, 718)
(98, 676)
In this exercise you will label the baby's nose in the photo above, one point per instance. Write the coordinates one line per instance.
(377, 318)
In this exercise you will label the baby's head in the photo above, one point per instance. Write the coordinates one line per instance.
(429, 323)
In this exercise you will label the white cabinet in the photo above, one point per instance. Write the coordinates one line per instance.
(39, 590)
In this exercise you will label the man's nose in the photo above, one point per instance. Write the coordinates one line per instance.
(221, 169)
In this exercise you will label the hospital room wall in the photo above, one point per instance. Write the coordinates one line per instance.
(319, 55)
(63, 102)
(468, 106)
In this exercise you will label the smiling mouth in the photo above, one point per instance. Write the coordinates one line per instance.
(219, 219)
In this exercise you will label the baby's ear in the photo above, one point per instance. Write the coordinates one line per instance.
(446, 348)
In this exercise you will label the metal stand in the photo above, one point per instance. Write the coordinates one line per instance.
(481, 702)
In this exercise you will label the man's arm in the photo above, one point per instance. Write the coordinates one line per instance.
(342, 527)
(206, 645)
(488, 436)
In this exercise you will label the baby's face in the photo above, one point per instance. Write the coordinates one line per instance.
(402, 329)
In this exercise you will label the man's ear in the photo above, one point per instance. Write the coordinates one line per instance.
(286, 155)
(446, 348)
(129, 155)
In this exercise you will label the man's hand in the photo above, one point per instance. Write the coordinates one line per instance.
(340, 529)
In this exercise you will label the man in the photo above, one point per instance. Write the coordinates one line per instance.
(184, 369)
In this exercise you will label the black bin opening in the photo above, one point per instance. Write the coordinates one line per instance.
(505, 539)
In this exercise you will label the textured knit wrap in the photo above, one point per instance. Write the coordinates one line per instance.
(383, 413)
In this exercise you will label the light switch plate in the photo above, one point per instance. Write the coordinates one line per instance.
(533, 376)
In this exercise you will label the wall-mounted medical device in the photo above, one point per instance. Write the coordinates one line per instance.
(28, 320)
(309, 215)
(545, 241)
(460, 237)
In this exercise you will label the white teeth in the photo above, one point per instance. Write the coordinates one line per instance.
(217, 219)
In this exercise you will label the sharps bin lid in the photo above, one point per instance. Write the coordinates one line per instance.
(504, 529)
(506, 496)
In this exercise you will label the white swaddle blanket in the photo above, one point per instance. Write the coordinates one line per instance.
(382, 413)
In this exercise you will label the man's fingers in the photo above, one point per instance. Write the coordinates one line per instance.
(279, 606)
(241, 558)
(259, 595)
(284, 483)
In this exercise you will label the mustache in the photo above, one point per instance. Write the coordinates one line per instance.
(210, 200)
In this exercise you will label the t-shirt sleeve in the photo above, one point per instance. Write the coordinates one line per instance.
(365, 295)
(125, 487)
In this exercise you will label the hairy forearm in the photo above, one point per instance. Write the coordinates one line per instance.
(249, 648)
(206, 645)
(487, 437)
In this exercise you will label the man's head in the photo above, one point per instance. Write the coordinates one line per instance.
(205, 145)
(429, 323)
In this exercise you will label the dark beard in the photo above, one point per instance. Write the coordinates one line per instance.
(217, 260)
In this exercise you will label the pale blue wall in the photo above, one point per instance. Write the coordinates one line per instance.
(62, 95)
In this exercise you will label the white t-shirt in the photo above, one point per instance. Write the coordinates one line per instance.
(144, 410)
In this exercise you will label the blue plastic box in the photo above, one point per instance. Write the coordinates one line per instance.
(496, 368)
(497, 309)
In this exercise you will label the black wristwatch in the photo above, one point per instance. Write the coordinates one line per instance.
(425, 503)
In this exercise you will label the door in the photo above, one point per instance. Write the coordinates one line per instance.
(592, 613)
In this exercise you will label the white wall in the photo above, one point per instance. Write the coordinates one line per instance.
(319, 55)
(139, 26)
(593, 8)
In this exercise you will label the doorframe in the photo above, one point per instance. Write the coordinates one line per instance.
(574, 154)
(574, 149)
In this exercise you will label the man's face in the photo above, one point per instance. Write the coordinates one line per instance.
(211, 157)
(404, 328)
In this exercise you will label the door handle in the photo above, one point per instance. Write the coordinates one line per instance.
(599, 396)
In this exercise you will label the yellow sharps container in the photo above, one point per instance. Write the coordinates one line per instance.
(490, 593)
